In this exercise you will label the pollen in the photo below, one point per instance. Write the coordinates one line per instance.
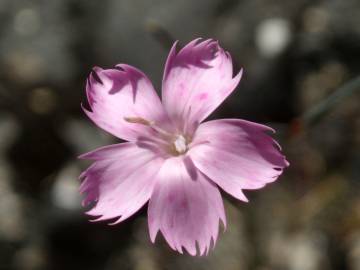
(180, 144)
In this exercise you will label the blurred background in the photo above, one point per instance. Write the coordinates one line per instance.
(295, 55)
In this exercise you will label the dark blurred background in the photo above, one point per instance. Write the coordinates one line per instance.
(294, 53)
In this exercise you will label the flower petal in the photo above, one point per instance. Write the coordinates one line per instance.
(196, 80)
(119, 93)
(236, 155)
(120, 180)
(185, 206)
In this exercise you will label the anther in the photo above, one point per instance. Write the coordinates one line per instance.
(138, 120)
(151, 124)
(180, 144)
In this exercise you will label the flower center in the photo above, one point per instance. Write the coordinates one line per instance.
(173, 144)
(180, 144)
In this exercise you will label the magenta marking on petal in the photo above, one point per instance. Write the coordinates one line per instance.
(86, 111)
(203, 96)
(89, 96)
(133, 76)
(95, 74)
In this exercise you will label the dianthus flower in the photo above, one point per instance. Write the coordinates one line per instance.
(172, 159)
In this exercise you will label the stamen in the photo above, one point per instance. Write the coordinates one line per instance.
(180, 144)
(138, 120)
(173, 143)
(142, 121)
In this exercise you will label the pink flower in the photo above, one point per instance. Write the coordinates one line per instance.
(171, 158)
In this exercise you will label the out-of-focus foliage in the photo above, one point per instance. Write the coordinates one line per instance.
(294, 53)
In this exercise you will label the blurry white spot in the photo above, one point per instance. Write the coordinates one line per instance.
(65, 192)
(272, 36)
(27, 22)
